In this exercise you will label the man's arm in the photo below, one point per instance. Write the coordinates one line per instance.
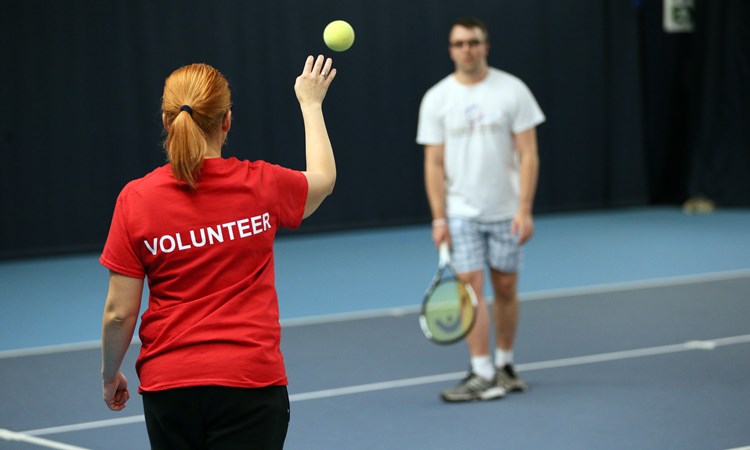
(434, 180)
(525, 143)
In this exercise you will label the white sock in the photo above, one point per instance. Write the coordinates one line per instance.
(482, 366)
(503, 357)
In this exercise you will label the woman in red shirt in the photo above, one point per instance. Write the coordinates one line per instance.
(200, 230)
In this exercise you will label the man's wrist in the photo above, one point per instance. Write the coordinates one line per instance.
(439, 223)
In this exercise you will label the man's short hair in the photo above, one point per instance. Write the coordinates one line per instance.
(472, 22)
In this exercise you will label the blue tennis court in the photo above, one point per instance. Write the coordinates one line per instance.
(634, 334)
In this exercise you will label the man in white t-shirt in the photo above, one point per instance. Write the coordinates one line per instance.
(478, 128)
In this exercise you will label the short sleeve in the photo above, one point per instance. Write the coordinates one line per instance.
(528, 113)
(118, 254)
(429, 127)
(291, 188)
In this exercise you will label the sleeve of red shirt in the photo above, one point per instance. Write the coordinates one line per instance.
(118, 254)
(291, 191)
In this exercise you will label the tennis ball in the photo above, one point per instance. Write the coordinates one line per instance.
(338, 35)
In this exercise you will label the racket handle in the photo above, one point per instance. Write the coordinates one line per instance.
(445, 254)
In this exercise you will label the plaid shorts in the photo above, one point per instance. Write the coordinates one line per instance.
(476, 244)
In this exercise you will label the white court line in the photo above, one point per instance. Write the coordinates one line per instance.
(86, 426)
(640, 284)
(537, 295)
(393, 384)
(8, 435)
(50, 349)
(400, 311)
(555, 363)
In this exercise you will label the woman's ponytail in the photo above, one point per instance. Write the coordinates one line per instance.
(196, 98)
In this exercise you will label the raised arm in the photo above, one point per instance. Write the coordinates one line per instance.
(311, 87)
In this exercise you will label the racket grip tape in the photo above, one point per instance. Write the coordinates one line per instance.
(444, 253)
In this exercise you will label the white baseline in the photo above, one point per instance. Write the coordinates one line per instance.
(695, 345)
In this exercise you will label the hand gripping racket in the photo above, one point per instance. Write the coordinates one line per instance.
(450, 304)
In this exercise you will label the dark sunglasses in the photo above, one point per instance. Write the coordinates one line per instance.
(472, 43)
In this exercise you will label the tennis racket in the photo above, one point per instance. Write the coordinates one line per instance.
(450, 304)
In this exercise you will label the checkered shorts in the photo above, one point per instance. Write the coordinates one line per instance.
(476, 244)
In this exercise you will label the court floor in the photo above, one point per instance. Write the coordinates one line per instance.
(637, 357)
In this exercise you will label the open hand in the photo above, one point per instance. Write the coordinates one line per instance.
(312, 84)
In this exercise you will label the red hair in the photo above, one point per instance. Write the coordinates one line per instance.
(196, 98)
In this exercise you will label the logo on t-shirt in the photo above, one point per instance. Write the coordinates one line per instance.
(473, 115)
(477, 122)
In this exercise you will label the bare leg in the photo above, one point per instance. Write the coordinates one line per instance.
(505, 308)
(479, 336)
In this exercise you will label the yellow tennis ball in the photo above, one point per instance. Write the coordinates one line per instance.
(338, 35)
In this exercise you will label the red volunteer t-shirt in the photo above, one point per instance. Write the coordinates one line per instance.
(212, 317)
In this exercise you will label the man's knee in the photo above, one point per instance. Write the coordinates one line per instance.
(505, 286)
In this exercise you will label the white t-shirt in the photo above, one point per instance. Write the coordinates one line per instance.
(476, 123)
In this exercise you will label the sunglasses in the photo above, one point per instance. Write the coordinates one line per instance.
(472, 43)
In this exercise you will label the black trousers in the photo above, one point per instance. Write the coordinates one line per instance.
(217, 418)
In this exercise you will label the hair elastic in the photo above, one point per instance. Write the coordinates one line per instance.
(187, 108)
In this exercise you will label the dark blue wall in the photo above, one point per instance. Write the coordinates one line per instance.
(82, 80)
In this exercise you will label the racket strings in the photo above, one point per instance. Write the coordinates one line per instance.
(449, 311)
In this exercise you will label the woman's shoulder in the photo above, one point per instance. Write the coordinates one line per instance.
(157, 176)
